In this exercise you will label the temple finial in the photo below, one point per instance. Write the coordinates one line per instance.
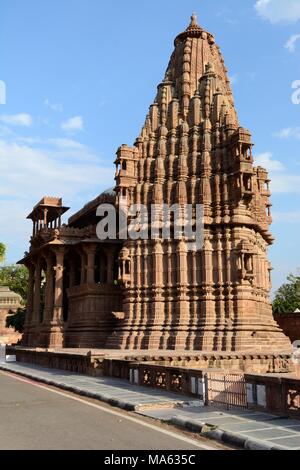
(194, 20)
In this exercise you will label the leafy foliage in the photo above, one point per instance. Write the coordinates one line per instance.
(287, 298)
(17, 320)
(16, 278)
(2, 252)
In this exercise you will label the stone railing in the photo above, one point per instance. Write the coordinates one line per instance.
(180, 380)
(276, 394)
(172, 379)
(87, 364)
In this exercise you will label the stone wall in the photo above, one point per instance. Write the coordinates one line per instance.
(290, 324)
(7, 335)
(87, 364)
(278, 394)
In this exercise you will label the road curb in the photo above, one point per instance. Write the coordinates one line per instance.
(217, 434)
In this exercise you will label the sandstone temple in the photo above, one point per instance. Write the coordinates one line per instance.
(156, 294)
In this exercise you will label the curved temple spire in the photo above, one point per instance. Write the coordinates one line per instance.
(192, 150)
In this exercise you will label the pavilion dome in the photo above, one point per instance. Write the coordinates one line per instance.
(108, 192)
(8, 297)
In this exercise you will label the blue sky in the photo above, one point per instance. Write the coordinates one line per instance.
(80, 76)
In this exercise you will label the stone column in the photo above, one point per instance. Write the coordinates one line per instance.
(48, 313)
(207, 334)
(83, 271)
(37, 295)
(90, 274)
(30, 294)
(58, 290)
(46, 217)
(110, 266)
(29, 306)
(182, 304)
(72, 273)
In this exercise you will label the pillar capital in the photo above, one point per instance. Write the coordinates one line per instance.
(59, 252)
(59, 269)
(90, 248)
(37, 270)
(35, 262)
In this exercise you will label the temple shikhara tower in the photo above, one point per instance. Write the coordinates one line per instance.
(157, 294)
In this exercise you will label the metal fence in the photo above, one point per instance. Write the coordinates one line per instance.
(226, 390)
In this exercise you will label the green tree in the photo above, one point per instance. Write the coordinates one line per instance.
(2, 252)
(16, 320)
(287, 298)
(16, 278)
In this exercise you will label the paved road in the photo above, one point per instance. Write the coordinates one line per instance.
(36, 417)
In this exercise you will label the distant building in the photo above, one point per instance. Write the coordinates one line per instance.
(9, 302)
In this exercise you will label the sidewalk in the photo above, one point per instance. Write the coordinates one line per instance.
(242, 428)
(115, 392)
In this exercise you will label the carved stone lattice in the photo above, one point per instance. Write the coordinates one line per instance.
(147, 377)
(176, 382)
(160, 380)
(294, 400)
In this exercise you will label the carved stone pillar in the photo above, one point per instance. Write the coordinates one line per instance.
(90, 271)
(48, 313)
(37, 295)
(157, 284)
(29, 306)
(83, 269)
(72, 273)
(182, 306)
(110, 266)
(58, 289)
(55, 323)
(30, 294)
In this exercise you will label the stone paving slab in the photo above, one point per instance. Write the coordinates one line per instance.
(271, 433)
(243, 428)
(258, 426)
(292, 443)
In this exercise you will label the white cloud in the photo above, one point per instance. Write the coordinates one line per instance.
(291, 43)
(282, 182)
(59, 143)
(66, 143)
(277, 11)
(285, 183)
(27, 174)
(73, 124)
(288, 132)
(21, 119)
(53, 106)
(286, 217)
(5, 131)
(266, 161)
(34, 171)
